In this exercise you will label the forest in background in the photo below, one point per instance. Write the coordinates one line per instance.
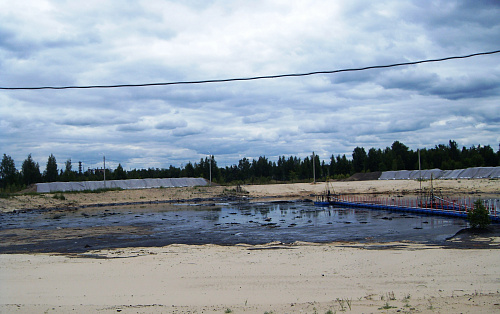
(262, 170)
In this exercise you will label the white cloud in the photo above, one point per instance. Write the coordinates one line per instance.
(72, 43)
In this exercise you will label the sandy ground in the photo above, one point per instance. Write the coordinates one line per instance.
(475, 188)
(302, 278)
(298, 278)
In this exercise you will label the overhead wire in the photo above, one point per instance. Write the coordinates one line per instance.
(255, 77)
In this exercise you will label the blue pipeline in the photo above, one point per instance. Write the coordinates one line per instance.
(418, 210)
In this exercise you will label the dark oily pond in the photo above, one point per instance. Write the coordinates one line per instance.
(224, 224)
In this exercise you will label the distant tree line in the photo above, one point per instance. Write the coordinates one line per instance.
(262, 170)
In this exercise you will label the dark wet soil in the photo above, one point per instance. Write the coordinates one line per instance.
(469, 238)
(81, 230)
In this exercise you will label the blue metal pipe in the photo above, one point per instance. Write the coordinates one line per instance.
(418, 210)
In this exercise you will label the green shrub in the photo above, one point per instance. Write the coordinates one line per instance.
(59, 197)
(479, 217)
(5, 195)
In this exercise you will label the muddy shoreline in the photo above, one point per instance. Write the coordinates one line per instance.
(139, 203)
(77, 231)
(478, 188)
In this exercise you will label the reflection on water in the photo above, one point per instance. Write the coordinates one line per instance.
(236, 223)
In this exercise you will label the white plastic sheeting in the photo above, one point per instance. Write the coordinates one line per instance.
(469, 173)
(123, 184)
(410, 175)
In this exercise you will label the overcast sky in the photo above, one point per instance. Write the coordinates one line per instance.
(94, 42)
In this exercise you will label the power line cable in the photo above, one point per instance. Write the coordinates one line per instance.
(255, 77)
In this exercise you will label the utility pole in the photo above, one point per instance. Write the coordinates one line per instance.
(314, 170)
(419, 169)
(210, 184)
(420, 176)
(104, 160)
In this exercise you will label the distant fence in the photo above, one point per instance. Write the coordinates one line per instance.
(469, 173)
(122, 184)
(438, 206)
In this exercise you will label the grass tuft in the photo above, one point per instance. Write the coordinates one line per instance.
(387, 306)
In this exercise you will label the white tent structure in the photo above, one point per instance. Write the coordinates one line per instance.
(469, 173)
(122, 184)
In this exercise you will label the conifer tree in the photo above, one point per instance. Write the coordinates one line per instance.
(51, 172)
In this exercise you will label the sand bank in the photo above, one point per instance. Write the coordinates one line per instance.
(476, 188)
(299, 278)
(304, 278)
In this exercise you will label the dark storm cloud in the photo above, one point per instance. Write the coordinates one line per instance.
(456, 87)
(184, 132)
(171, 124)
(131, 128)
